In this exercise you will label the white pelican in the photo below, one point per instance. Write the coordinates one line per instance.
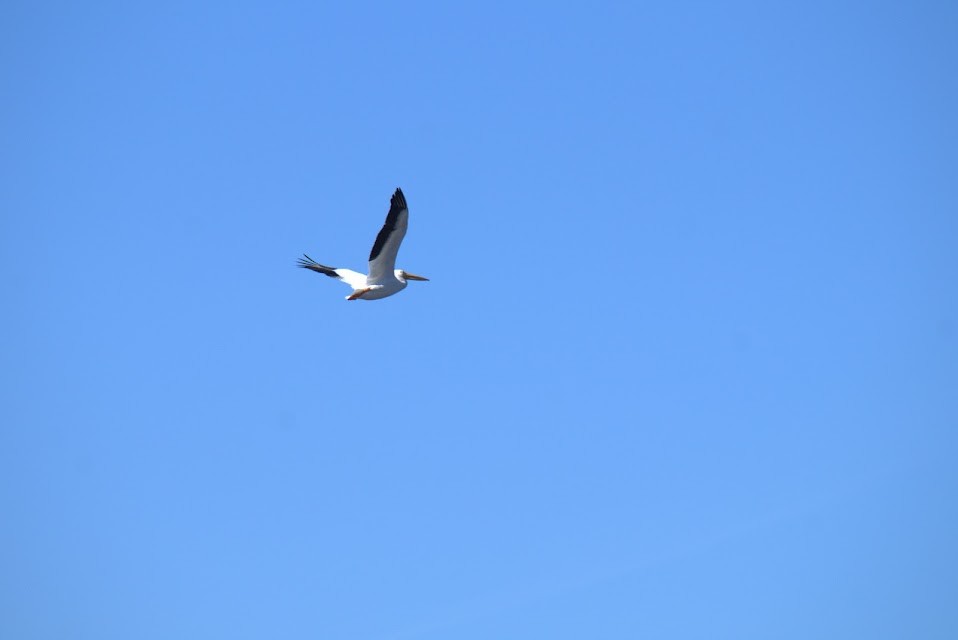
(384, 278)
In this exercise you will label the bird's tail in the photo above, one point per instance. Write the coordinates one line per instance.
(308, 263)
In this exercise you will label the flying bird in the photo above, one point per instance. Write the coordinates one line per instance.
(384, 278)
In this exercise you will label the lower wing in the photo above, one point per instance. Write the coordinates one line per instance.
(354, 279)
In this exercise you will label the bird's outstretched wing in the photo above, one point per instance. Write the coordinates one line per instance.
(353, 278)
(382, 259)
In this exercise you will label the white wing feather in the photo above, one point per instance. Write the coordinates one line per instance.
(354, 279)
(382, 258)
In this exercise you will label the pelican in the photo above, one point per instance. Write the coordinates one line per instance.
(384, 278)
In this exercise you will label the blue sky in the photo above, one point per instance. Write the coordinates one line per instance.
(686, 366)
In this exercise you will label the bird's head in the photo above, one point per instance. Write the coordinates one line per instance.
(405, 275)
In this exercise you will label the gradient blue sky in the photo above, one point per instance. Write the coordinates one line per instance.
(687, 366)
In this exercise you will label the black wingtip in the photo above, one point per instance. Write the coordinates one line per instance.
(398, 200)
(308, 263)
(305, 261)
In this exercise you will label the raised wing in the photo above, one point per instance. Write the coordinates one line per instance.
(382, 259)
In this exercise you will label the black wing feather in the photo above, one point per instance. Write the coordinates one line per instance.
(308, 263)
(396, 205)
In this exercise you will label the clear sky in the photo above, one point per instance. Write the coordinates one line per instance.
(687, 365)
